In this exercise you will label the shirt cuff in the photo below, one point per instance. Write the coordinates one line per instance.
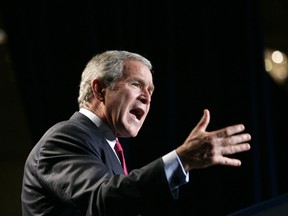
(175, 173)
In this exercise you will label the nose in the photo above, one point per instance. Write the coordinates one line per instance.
(145, 97)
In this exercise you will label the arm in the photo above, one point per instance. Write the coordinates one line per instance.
(203, 149)
(78, 173)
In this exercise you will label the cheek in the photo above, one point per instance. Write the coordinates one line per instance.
(119, 100)
(125, 96)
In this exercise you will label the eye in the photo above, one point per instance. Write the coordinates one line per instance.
(137, 84)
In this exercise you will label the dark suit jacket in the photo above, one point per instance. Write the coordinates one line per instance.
(72, 170)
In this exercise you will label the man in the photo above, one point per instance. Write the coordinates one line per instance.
(74, 169)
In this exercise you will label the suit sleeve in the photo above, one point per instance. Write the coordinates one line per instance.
(78, 171)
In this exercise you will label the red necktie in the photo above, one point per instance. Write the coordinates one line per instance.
(119, 150)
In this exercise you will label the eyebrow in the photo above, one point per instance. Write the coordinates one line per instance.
(151, 87)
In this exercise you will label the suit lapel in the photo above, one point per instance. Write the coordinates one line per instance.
(109, 158)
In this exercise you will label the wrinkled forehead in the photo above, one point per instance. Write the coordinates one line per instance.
(134, 65)
(137, 69)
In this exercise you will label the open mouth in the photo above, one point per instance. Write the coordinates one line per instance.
(138, 113)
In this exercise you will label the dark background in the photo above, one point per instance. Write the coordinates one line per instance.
(206, 54)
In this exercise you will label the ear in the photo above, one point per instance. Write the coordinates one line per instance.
(98, 89)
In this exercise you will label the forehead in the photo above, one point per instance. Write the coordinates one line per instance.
(137, 68)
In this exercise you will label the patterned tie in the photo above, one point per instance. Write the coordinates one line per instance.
(119, 150)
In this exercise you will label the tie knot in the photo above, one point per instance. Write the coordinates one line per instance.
(118, 147)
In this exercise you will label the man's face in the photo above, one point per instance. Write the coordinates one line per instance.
(128, 102)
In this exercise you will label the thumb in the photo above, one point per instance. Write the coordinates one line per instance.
(204, 121)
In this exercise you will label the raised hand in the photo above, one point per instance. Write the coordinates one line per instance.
(203, 149)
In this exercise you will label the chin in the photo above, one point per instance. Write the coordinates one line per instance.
(134, 133)
(129, 133)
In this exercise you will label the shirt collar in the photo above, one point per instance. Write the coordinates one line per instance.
(107, 132)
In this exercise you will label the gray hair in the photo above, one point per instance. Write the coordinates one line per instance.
(108, 66)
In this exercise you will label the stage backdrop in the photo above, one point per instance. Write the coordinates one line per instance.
(205, 55)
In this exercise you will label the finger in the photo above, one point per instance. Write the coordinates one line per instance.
(233, 149)
(204, 121)
(230, 161)
(228, 131)
(232, 140)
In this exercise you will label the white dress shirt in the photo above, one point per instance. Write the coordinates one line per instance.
(175, 173)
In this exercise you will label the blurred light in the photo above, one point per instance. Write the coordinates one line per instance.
(276, 65)
(2, 36)
(268, 65)
(281, 73)
(277, 57)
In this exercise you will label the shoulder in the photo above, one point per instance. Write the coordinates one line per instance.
(78, 124)
(78, 132)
